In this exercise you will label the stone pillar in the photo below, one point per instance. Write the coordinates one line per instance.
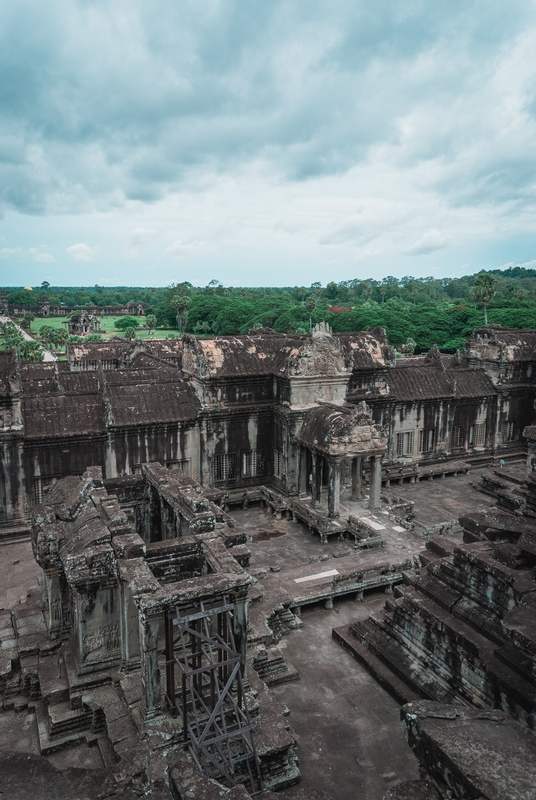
(55, 611)
(319, 478)
(357, 478)
(314, 482)
(129, 629)
(334, 488)
(375, 482)
(240, 628)
(304, 477)
(150, 674)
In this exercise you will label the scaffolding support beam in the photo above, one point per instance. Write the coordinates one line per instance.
(202, 659)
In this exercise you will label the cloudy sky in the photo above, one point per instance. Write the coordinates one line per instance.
(265, 142)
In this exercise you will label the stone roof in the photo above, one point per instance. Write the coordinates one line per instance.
(63, 415)
(103, 351)
(410, 362)
(146, 403)
(152, 374)
(368, 349)
(9, 371)
(495, 343)
(342, 432)
(419, 382)
(123, 351)
(281, 354)
(46, 380)
(247, 355)
(62, 403)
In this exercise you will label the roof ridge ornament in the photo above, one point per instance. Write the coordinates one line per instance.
(433, 358)
(321, 330)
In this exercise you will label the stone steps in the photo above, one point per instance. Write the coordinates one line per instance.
(397, 688)
(462, 662)
(272, 668)
(517, 661)
(62, 720)
(51, 744)
(282, 621)
(401, 663)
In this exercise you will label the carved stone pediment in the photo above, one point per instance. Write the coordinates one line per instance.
(194, 361)
(343, 433)
(321, 354)
(10, 419)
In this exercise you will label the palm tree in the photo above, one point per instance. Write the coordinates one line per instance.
(484, 289)
(310, 305)
(181, 303)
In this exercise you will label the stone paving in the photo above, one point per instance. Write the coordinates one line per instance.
(20, 575)
(350, 742)
(349, 737)
(444, 499)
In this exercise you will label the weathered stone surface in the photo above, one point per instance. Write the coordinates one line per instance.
(218, 400)
(412, 790)
(472, 753)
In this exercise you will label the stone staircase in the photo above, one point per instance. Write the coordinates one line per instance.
(441, 636)
(282, 621)
(271, 666)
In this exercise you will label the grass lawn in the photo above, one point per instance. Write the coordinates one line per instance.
(107, 328)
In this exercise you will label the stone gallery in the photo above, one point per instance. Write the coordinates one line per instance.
(155, 635)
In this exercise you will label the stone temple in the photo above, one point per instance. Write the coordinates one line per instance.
(181, 498)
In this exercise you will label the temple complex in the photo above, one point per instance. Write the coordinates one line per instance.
(263, 409)
(191, 504)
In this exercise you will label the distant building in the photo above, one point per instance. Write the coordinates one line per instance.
(43, 308)
(82, 324)
(340, 309)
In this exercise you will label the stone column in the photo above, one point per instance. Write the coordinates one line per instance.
(334, 488)
(240, 627)
(314, 483)
(304, 477)
(129, 629)
(375, 482)
(150, 674)
(357, 478)
(319, 478)
(55, 610)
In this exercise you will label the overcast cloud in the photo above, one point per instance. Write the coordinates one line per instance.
(265, 142)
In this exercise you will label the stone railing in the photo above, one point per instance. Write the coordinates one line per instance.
(316, 519)
(431, 531)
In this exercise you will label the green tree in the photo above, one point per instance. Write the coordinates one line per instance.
(48, 334)
(484, 289)
(410, 346)
(26, 321)
(181, 304)
(130, 333)
(150, 321)
(127, 322)
(300, 293)
(12, 336)
(310, 305)
(31, 351)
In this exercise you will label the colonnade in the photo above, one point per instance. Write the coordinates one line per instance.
(312, 479)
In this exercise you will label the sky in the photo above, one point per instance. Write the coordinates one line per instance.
(148, 142)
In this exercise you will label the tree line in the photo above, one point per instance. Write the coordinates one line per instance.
(416, 312)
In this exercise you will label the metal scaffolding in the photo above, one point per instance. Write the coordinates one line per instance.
(208, 693)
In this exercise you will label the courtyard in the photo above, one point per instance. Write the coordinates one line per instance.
(347, 728)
